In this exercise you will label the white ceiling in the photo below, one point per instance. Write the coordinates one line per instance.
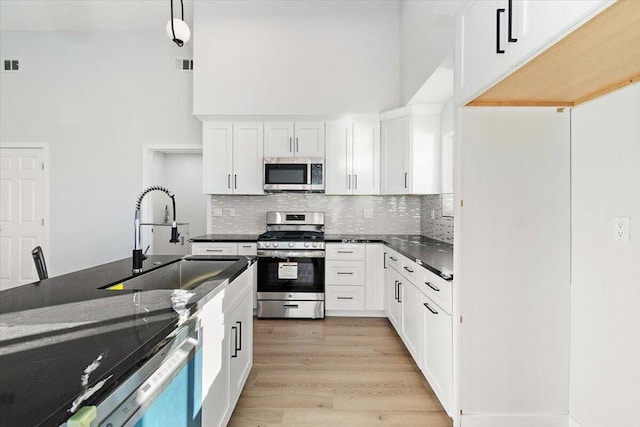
(89, 15)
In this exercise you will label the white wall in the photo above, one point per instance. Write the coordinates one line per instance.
(605, 289)
(95, 98)
(295, 57)
(426, 38)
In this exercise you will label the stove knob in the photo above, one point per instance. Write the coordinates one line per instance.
(290, 244)
(275, 244)
(306, 244)
(266, 245)
(314, 244)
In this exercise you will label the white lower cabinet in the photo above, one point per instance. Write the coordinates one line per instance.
(227, 348)
(343, 297)
(214, 248)
(437, 351)
(412, 321)
(394, 299)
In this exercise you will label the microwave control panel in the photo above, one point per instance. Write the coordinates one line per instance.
(316, 174)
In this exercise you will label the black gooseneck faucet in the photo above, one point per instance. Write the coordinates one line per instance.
(138, 255)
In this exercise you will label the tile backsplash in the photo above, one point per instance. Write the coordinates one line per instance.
(440, 227)
(343, 214)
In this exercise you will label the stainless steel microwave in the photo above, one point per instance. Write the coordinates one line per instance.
(294, 174)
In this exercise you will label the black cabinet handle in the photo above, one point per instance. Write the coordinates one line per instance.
(355, 182)
(349, 182)
(498, 13)
(384, 261)
(405, 180)
(393, 259)
(345, 297)
(395, 290)
(345, 272)
(399, 284)
(297, 145)
(290, 144)
(235, 181)
(229, 181)
(235, 342)
(239, 342)
(435, 288)
(510, 39)
(409, 270)
(345, 252)
(430, 309)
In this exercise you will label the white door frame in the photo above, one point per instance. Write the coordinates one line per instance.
(147, 155)
(47, 166)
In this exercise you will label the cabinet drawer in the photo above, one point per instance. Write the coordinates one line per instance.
(436, 288)
(344, 297)
(412, 270)
(247, 248)
(345, 272)
(393, 259)
(343, 251)
(214, 248)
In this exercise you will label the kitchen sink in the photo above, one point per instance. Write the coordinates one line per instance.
(188, 273)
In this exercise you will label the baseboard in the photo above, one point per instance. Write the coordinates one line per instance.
(354, 313)
(514, 420)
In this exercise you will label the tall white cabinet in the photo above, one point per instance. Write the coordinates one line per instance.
(232, 155)
(352, 158)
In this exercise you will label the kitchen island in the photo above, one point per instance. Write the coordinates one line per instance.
(68, 341)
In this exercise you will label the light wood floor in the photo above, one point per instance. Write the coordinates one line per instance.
(334, 372)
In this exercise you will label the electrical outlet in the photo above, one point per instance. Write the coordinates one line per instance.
(621, 229)
(217, 211)
(367, 213)
(231, 212)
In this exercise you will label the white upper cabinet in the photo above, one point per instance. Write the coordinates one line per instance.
(299, 139)
(232, 156)
(353, 158)
(410, 151)
(497, 36)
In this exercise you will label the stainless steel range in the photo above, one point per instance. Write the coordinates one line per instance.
(291, 266)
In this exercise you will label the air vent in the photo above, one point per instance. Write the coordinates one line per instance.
(11, 65)
(184, 64)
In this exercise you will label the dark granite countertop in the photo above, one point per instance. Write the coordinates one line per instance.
(52, 330)
(225, 238)
(432, 254)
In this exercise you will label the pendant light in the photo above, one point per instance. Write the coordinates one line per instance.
(178, 30)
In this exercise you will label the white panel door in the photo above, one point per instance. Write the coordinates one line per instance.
(366, 158)
(248, 160)
(339, 159)
(394, 170)
(309, 139)
(217, 158)
(21, 214)
(278, 139)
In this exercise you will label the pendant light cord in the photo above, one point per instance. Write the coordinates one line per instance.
(173, 31)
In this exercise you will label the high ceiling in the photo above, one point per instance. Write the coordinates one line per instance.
(89, 15)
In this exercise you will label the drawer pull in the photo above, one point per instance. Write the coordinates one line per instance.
(429, 308)
(392, 258)
(344, 272)
(498, 13)
(239, 342)
(511, 39)
(214, 250)
(235, 342)
(290, 306)
(399, 295)
(408, 269)
(434, 287)
(345, 252)
(345, 297)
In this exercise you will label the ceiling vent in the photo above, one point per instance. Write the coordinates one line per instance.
(10, 65)
(184, 64)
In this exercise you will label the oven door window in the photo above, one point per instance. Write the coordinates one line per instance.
(283, 275)
(285, 174)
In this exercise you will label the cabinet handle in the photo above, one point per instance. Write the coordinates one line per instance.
(297, 145)
(355, 182)
(384, 260)
(214, 250)
(345, 252)
(345, 272)
(395, 290)
(239, 341)
(290, 144)
(392, 258)
(345, 297)
(229, 181)
(235, 342)
(290, 306)
(246, 246)
(498, 13)
(405, 180)
(348, 182)
(429, 308)
(510, 39)
(235, 181)
(409, 270)
(399, 284)
(434, 287)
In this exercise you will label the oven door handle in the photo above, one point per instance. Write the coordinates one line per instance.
(283, 254)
